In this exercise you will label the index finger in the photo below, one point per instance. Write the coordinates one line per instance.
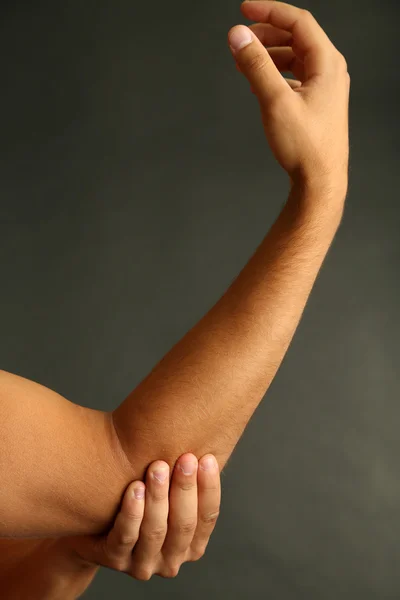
(310, 42)
(122, 538)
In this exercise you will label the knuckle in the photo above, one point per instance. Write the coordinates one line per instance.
(258, 62)
(142, 573)
(134, 517)
(306, 14)
(156, 535)
(186, 486)
(198, 553)
(185, 527)
(126, 540)
(170, 570)
(117, 564)
(210, 518)
(342, 62)
(159, 496)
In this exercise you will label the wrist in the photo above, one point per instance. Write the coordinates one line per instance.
(333, 179)
(333, 185)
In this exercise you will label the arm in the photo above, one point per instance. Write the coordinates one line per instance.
(57, 456)
(60, 468)
(183, 514)
(201, 395)
(204, 391)
(41, 570)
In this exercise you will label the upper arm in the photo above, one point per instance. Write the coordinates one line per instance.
(60, 468)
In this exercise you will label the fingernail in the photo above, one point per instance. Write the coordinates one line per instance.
(187, 468)
(208, 463)
(239, 38)
(139, 493)
(161, 475)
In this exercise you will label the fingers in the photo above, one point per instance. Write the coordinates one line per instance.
(270, 35)
(285, 60)
(293, 83)
(154, 526)
(125, 532)
(209, 500)
(182, 519)
(140, 543)
(310, 42)
(256, 64)
(114, 550)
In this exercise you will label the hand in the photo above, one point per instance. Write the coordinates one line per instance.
(150, 536)
(305, 122)
(155, 536)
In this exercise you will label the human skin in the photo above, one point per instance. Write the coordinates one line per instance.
(151, 535)
(201, 395)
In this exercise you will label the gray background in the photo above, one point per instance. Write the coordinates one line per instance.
(135, 184)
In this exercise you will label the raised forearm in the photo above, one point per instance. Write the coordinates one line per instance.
(201, 395)
(64, 467)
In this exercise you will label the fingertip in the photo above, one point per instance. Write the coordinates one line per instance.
(244, 5)
(137, 490)
(209, 463)
(159, 464)
(188, 456)
(187, 464)
(158, 471)
(239, 37)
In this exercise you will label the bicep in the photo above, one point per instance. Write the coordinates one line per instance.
(59, 467)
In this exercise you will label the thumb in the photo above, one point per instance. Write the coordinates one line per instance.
(255, 63)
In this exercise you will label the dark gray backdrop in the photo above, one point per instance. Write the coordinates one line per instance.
(135, 183)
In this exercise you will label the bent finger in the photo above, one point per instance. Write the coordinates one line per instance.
(125, 533)
(154, 526)
(293, 83)
(270, 35)
(209, 501)
(310, 41)
(285, 60)
(182, 520)
(256, 64)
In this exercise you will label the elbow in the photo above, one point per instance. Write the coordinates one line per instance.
(144, 443)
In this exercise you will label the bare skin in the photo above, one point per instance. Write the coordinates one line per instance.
(153, 535)
(65, 474)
